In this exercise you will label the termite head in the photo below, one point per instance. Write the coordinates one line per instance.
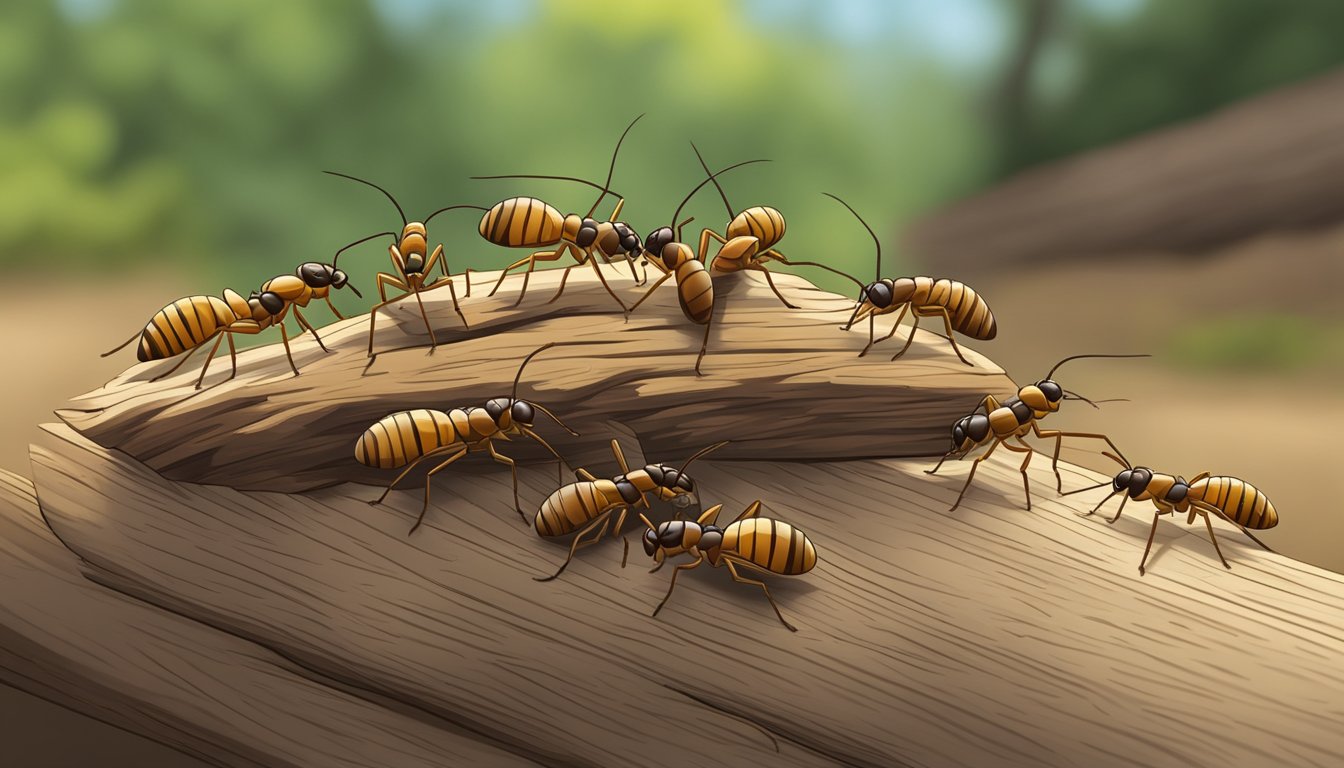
(672, 538)
(969, 431)
(1132, 481)
(658, 240)
(318, 275)
(1043, 397)
(617, 238)
(670, 484)
(510, 414)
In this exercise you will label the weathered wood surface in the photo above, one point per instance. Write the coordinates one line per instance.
(987, 636)
(782, 384)
(205, 692)
(1273, 162)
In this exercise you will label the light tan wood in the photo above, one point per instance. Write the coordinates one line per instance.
(1267, 164)
(781, 384)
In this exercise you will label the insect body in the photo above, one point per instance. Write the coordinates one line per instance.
(413, 264)
(406, 438)
(961, 308)
(751, 542)
(526, 222)
(188, 323)
(749, 240)
(588, 505)
(1012, 420)
(695, 288)
(1230, 498)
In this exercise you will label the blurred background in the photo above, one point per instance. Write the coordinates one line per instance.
(1113, 175)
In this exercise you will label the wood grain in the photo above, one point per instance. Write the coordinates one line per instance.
(202, 691)
(782, 384)
(1267, 164)
(985, 636)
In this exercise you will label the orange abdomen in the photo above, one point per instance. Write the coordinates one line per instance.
(522, 222)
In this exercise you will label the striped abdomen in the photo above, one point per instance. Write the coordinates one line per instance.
(1239, 500)
(400, 438)
(969, 312)
(572, 506)
(522, 222)
(761, 222)
(775, 546)
(695, 291)
(185, 324)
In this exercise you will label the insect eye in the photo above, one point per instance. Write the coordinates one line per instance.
(879, 294)
(522, 412)
(1052, 391)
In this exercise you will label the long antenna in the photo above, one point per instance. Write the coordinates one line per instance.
(594, 185)
(519, 377)
(701, 452)
(710, 173)
(375, 186)
(611, 170)
(1080, 357)
(451, 208)
(876, 242)
(357, 242)
(706, 181)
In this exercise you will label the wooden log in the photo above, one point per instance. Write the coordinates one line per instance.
(782, 384)
(986, 636)
(1269, 163)
(202, 691)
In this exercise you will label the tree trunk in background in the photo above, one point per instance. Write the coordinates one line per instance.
(1274, 162)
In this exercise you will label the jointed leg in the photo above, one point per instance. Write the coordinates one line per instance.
(625, 543)
(946, 456)
(284, 337)
(601, 278)
(218, 338)
(429, 478)
(1209, 524)
(771, 282)
(382, 281)
(184, 359)
(947, 319)
(1059, 441)
(1220, 513)
(438, 257)
(872, 325)
(416, 462)
(700, 558)
(700, 252)
(704, 343)
(122, 345)
(513, 470)
(649, 292)
(1156, 516)
(1123, 499)
(433, 342)
(1026, 483)
(452, 292)
(975, 465)
(604, 519)
(740, 579)
(334, 310)
(531, 262)
(913, 327)
(303, 321)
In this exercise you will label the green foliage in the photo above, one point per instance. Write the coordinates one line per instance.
(1169, 61)
(1256, 342)
(192, 134)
